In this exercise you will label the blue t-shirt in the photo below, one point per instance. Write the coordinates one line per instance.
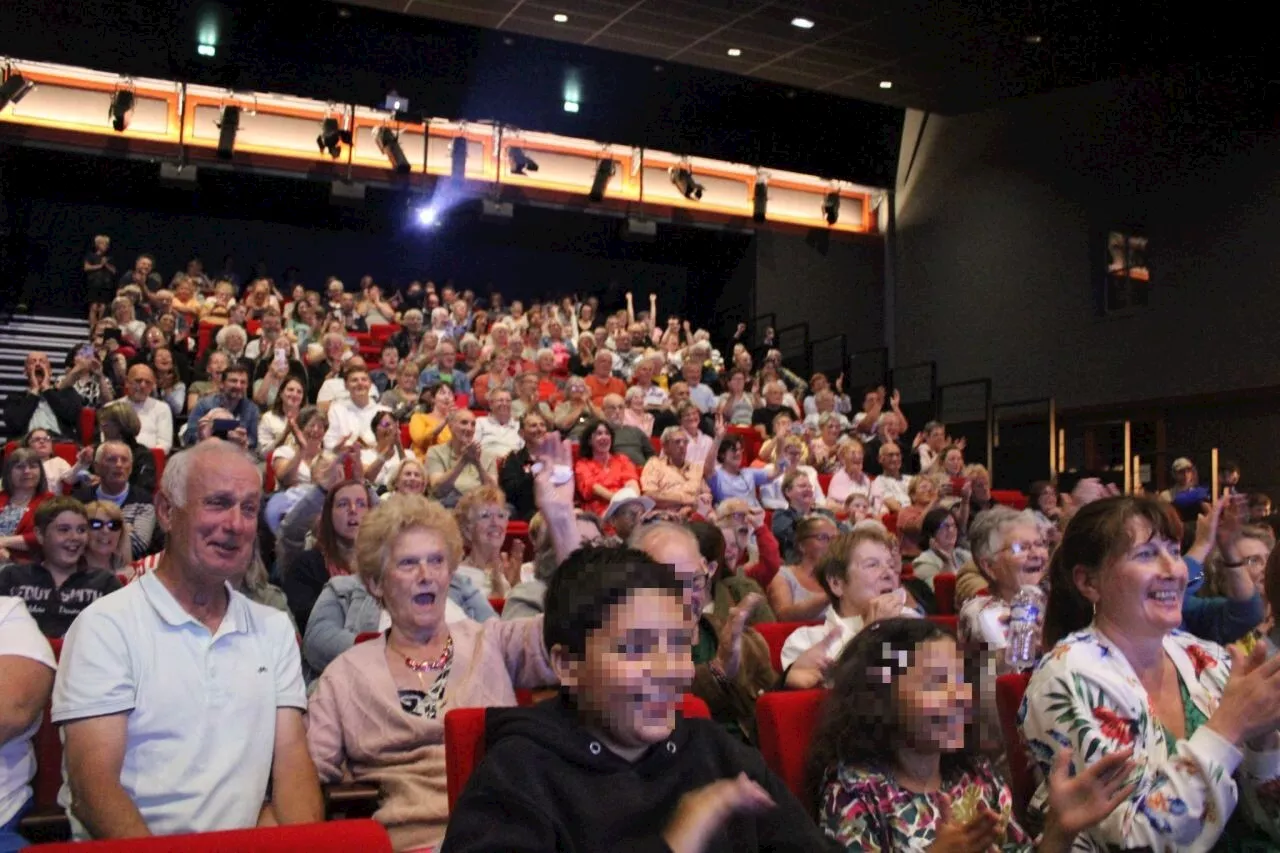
(741, 485)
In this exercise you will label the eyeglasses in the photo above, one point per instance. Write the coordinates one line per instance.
(1021, 549)
(39, 439)
(700, 581)
(1255, 561)
(110, 524)
(493, 515)
(821, 537)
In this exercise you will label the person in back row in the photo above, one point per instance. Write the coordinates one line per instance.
(618, 630)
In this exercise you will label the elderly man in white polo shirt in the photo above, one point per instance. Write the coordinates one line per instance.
(180, 699)
(154, 415)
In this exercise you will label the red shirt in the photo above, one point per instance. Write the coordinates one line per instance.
(613, 475)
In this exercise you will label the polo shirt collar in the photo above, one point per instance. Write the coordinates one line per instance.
(173, 614)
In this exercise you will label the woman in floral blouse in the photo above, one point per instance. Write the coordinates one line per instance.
(894, 766)
(1122, 676)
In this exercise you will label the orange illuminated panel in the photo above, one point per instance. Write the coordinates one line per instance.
(724, 190)
(801, 204)
(80, 105)
(482, 163)
(571, 168)
(277, 130)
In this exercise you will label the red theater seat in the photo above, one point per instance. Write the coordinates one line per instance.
(1010, 498)
(824, 482)
(339, 835)
(751, 442)
(65, 449)
(497, 604)
(1009, 691)
(787, 719)
(464, 742)
(775, 634)
(944, 592)
(88, 425)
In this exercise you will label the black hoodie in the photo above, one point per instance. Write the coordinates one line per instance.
(546, 784)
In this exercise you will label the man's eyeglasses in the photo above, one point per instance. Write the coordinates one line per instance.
(110, 524)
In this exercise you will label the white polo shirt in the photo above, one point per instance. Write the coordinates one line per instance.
(201, 708)
(20, 637)
(156, 419)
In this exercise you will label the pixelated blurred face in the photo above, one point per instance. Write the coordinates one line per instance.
(934, 699)
(685, 559)
(634, 671)
(415, 581)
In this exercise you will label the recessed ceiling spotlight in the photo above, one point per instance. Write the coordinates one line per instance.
(886, 84)
(1034, 38)
(733, 51)
(561, 18)
(802, 23)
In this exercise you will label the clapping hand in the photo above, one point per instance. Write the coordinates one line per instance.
(1081, 801)
(729, 637)
(701, 814)
(979, 835)
(810, 669)
(553, 452)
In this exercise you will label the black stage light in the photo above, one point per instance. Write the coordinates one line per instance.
(227, 127)
(14, 89)
(389, 145)
(605, 170)
(121, 109)
(332, 137)
(520, 161)
(831, 207)
(458, 154)
(682, 177)
(760, 201)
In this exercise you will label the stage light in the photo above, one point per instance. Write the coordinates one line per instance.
(332, 137)
(682, 178)
(458, 158)
(121, 109)
(734, 51)
(228, 125)
(206, 49)
(14, 89)
(520, 161)
(802, 23)
(831, 207)
(427, 217)
(886, 84)
(605, 170)
(571, 106)
(760, 202)
(389, 144)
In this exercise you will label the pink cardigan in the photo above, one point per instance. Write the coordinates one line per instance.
(356, 728)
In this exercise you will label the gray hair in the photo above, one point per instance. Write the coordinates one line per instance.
(986, 533)
(645, 534)
(102, 450)
(228, 331)
(672, 432)
(410, 314)
(177, 471)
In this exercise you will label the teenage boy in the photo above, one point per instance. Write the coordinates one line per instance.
(610, 764)
(58, 587)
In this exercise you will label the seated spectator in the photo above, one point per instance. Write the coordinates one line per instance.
(117, 421)
(633, 443)
(402, 397)
(214, 369)
(44, 405)
(341, 506)
(297, 450)
(155, 417)
(749, 546)
(939, 531)
(867, 423)
(59, 585)
(23, 488)
(1008, 550)
(375, 310)
(1120, 676)
(825, 442)
(644, 377)
(849, 479)
(1186, 489)
(496, 378)
(801, 501)
(136, 661)
(891, 487)
(431, 428)
(233, 341)
(232, 397)
(783, 425)
(636, 415)
(597, 600)
(700, 394)
(1043, 503)
(600, 473)
(862, 579)
(55, 467)
(728, 479)
(923, 493)
(87, 375)
(378, 710)
(929, 444)
(498, 432)
(351, 420)
(109, 547)
(575, 411)
(791, 457)
(459, 466)
(772, 406)
(1259, 507)
(446, 371)
(689, 419)
(528, 396)
(482, 517)
(894, 757)
(381, 462)
(626, 508)
(820, 385)
(410, 478)
(671, 480)
(600, 381)
(126, 319)
(275, 367)
(796, 593)
(276, 424)
(736, 404)
(515, 476)
(324, 373)
(26, 670)
(334, 389)
(112, 463)
(406, 339)
(171, 387)
(550, 385)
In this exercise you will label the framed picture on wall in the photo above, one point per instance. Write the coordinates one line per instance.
(1123, 275)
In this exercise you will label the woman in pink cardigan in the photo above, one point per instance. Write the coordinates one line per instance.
(377, 714)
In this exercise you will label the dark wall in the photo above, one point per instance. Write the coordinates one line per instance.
(997, 219)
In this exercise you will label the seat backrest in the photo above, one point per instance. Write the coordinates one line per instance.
(944, 592)
(1010, 497)
(88, 424)
(497, 604)
(1009, 691)
(368, 836)
(48, 749)
(405, 440)
(775, 634)
(787, 719)
(159, 456)
(269, 475)
(464, 741)
(366, 636)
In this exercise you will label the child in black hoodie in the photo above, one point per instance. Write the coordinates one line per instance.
(610, 765)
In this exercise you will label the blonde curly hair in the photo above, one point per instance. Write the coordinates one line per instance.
(396, 515)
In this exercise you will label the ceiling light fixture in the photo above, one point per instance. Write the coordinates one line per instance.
(733, 51)
(14, 89)
(571, 106)
(458, 159)
(682, 178)
(520, 161)
(1034, 38)
(760, 198)
(120, 110)
(332, 137)
(886, 84)
(228, 125)
(561, 18)
(388, 142)
(802, 23)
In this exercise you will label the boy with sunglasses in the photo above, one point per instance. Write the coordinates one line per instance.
(611, 764)
(59, 586)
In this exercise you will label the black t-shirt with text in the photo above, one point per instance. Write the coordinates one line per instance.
(54, 609)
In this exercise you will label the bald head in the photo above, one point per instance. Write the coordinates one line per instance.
(142, 382)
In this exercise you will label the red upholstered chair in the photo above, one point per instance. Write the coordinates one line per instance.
(381, 331)
(1009, 691)
(88, 425)
(253, 327)
(786, 719)
(269, 476)
(775, 634)
(890, 522)
(949, 622)
(464, 742)
(160, 456)
(204, 337)
(944, 592)
(497, 604)
(824, 482)
(656, 441)
(751, 442)
(405, 441)
(1010, 498)
(65, 449)
(367, 636)
(340, 835)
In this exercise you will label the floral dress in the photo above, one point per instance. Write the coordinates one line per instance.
(864, 809)
(1084, 695)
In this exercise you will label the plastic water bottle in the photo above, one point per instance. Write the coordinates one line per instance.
(1024, 629)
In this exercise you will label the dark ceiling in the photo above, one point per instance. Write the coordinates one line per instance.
(943, 55)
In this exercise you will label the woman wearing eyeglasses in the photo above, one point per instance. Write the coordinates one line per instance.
(482, 517)
(1010, 553)
(795, 594)
(108, 548)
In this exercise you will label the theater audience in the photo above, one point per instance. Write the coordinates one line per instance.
(298, 448)
(231, 395)
(600, 381)
(636, 415)
(1120, 676)
(895, 766)
(791, 456)
(55, 467)
(430, 428)
(378, 710)
(942, 555)
(890, 489)
(117, 421)
(139, 660)
(44, 404)
(382, 461)
(154, 416)
(633, 443)
(498, 432)
(923, 494)
(749, 546)
(575, 411)
(460, 466)
(527, 598)
(108, 548)
(275, 425)
(351, 420)
(849, 478)
(23, 488)
(599, 472)
(26, 670)
(214, 369)
(112, 464)
(337, 507)
(736, 404)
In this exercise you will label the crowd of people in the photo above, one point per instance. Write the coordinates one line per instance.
(309, 523)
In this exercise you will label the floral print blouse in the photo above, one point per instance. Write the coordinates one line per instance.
(865, 810)
(1085, 695)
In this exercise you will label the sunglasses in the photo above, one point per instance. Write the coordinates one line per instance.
(99, 523)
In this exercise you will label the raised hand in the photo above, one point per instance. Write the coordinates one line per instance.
(701, 814)
(1081, 801)
(721, 430)
(556, 457)
(729, 638)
